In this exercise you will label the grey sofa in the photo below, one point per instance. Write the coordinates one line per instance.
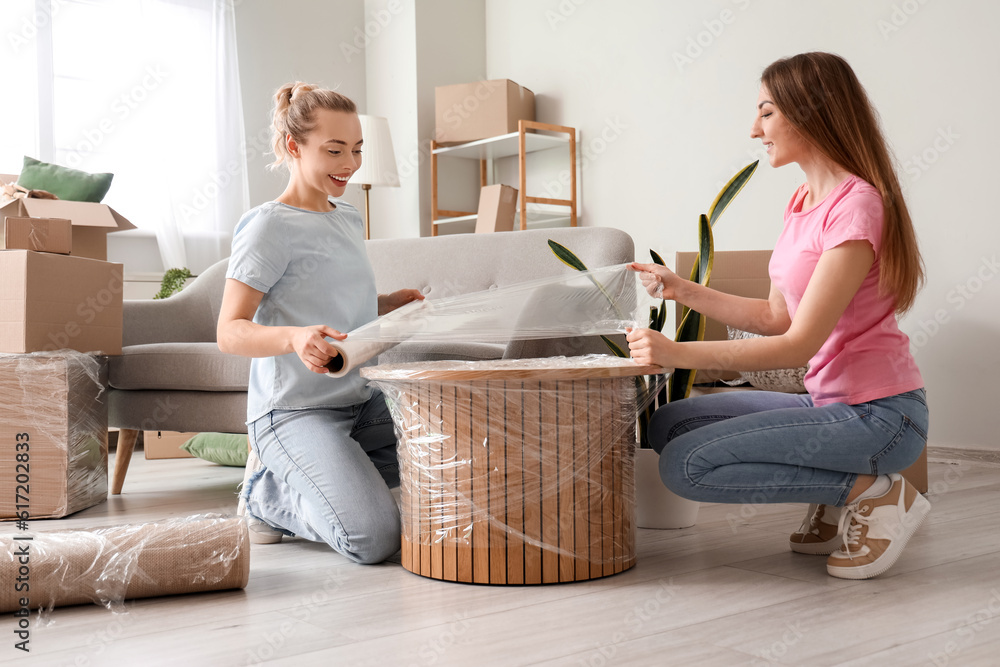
(171, 375)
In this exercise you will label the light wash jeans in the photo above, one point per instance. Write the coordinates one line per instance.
(768, 447)
(325, 476)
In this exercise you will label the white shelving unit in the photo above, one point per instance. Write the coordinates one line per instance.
(532, 211)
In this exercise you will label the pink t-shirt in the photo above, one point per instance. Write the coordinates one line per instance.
(866, 356)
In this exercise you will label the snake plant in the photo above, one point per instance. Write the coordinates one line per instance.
(692, 325)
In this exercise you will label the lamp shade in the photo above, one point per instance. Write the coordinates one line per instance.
(378, 163)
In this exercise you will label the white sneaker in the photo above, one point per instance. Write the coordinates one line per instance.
(819, 533)
(260, 532)
(876, 530)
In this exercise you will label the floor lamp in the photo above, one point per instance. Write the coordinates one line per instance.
(378, 163)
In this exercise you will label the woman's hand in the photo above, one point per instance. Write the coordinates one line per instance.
(649, 348)
(659, 281)
(390, 302)
(313, 348)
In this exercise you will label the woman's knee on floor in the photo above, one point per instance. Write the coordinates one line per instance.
(374, 537)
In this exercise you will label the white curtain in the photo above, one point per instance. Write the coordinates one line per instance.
(148, 90)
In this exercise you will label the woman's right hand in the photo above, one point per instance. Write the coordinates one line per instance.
(313, 348)
(659, 281)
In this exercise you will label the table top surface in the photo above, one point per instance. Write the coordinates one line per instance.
(548, 368)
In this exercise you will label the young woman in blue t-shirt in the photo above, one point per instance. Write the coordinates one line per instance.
(323, 452)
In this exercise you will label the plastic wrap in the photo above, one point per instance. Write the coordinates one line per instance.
(112, 564)
(517, 471)
(586, 303)
(53, 434)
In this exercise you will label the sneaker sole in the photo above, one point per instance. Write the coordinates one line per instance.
(264, 538)
(816, 548)
(921, 508)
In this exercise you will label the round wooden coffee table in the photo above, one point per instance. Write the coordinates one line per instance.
(516, 471)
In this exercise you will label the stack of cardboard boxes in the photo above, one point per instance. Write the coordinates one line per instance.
(60, 313)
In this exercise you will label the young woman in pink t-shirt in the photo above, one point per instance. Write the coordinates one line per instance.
(845, 265)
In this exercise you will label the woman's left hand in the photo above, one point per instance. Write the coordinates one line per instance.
(390, 302)
(649, 348)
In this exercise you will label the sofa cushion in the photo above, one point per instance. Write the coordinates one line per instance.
(179, 366)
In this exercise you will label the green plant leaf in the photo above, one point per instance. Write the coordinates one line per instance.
(173, 281)
(656, 257)
(706, 250)
(661, 317)
(682, 379)
(729, 192)
(615, 350)
(567, 256)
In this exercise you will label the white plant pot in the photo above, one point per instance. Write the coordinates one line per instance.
(656, 506)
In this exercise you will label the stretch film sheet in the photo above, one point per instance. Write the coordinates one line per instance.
(517, 471)
(605, 301)
(111, 564)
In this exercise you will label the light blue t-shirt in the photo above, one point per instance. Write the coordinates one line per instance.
(313, 269)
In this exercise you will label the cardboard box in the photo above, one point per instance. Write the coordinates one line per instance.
(53, 403)
(165, 444)
(91, 222)
(479, 110)
(39, 234)
(497, 208)
(52, 302)
(739, 272)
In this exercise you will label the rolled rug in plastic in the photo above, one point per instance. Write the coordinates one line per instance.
(112, 564)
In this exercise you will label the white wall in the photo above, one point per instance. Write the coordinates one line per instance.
(659, 138)
(294, 40)
(412, 48)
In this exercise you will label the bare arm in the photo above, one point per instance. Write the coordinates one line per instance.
(237, 333)
(768, 316)
(838, 275)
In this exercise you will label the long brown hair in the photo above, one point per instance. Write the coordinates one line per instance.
(822, 98)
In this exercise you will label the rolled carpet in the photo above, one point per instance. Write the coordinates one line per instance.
(109, 565)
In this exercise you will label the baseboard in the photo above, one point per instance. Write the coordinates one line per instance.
(958, 454)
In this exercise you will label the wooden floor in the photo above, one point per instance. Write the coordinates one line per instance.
(725, 592)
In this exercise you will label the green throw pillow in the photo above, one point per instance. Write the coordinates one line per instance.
(228, 449)
(63, 182)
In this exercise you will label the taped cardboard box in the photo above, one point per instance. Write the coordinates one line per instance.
(53, 434)
(53, 302)
(91, 223)
(165, 444)
(39, 234)
(497, 209)
(479, 110)
(739, 272)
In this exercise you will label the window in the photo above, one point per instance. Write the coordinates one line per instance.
(145, 89)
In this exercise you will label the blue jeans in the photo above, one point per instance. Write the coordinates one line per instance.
(768, 447)
(325, 476)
